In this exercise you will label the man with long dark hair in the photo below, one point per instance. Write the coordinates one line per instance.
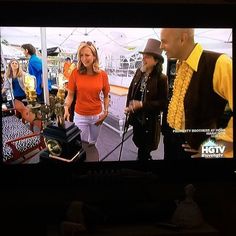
(147, 97)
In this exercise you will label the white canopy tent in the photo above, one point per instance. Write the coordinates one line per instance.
(11, 52)
(110, 42)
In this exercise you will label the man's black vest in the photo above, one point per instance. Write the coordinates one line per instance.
(203, 107)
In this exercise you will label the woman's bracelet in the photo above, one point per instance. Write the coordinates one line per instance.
(105, 110)
(66, 105)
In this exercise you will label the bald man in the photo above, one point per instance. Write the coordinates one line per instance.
(201, 94)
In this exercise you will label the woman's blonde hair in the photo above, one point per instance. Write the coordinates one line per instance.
(9, 73)
(80, 66)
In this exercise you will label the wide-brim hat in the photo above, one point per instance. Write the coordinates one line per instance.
(153, 48)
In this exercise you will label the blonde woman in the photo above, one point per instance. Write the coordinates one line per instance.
(88, 82)
(15, 80)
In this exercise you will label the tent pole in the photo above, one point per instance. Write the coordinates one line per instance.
(3, 60)
(44, 62)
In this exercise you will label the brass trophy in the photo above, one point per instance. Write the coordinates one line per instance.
(42, 112)
(31, 96)
(62, 138)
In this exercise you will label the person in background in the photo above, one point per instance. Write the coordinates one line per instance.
(70, 68)
(201, 93)
(2, 75)
(35, 69)
(72, 107)
(88, 82)
(73, 65)
(4, 94)
(66, 68)
(15, 80)
(147, 97)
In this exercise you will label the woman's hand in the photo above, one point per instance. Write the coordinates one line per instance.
(102, 117)
(67, 114)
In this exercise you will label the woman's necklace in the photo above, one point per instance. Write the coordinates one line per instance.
(143, 85)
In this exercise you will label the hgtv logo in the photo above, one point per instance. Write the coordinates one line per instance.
(212, 150)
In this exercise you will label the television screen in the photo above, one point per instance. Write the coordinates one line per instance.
(123, 175)
(120, 53)
(124, 50)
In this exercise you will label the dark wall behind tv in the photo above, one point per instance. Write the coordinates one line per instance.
(68, 13)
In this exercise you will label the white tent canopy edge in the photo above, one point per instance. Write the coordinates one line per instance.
(109, 41)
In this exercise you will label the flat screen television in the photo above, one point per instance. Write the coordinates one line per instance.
(120, 32)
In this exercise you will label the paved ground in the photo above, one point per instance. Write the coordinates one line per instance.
(109, 139)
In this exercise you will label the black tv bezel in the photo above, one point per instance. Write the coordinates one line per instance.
(132, 15)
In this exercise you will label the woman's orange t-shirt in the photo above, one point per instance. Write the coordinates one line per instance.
(88, 90)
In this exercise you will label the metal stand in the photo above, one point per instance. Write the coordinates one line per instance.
(126, 126)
